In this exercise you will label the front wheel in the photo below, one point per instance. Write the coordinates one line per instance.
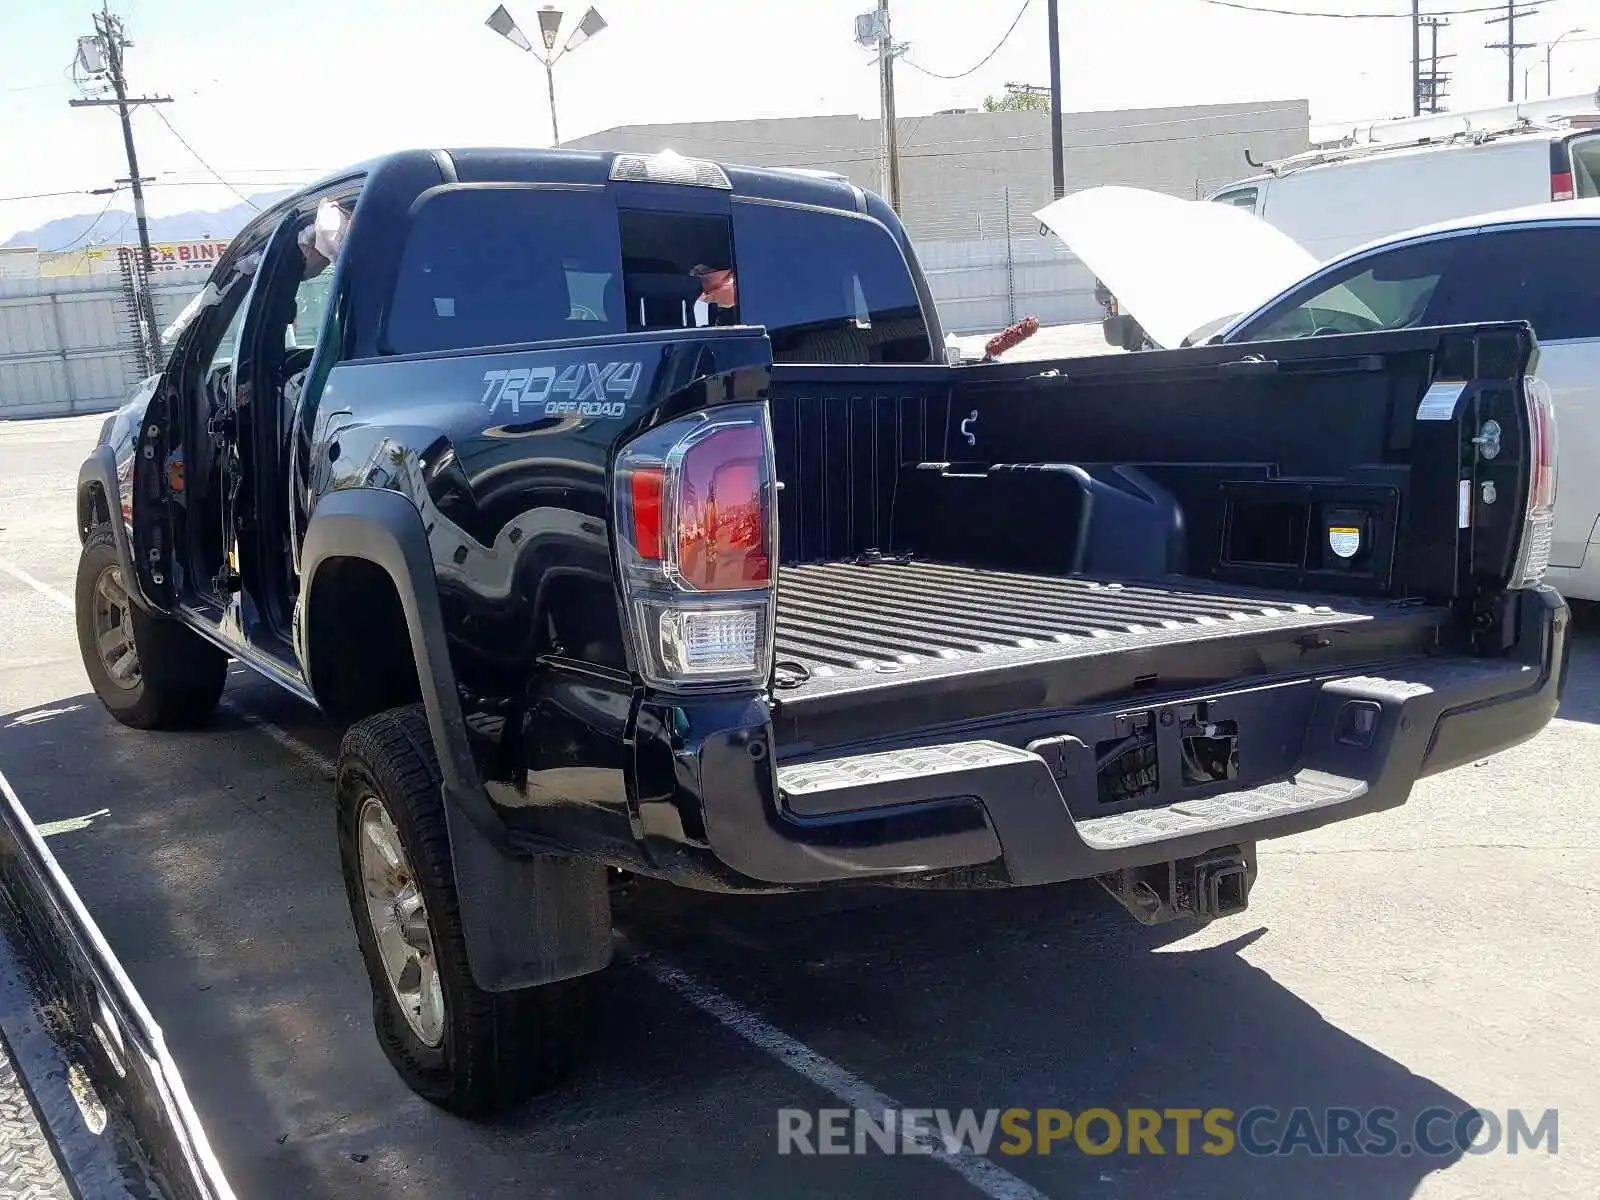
(151, 672)
(467, 1050)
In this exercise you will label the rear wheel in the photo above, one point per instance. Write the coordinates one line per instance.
(150, 672)
(470, 1051)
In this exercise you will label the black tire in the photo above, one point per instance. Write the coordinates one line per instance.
(180, 674)
(498, 1048)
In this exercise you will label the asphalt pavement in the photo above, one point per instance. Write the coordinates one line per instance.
(1440, 956)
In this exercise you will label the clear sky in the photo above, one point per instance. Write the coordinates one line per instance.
(281, 90)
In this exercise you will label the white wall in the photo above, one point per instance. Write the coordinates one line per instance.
(66, 344)
(977, 291)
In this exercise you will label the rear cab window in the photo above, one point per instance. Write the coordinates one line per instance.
(487, 265)
(830, 287)
(492, 266)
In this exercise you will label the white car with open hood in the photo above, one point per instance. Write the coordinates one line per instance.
(1182, 269)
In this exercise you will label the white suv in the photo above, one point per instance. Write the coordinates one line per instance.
(1539, 264)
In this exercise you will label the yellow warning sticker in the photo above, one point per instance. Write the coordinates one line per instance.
(1344, 540)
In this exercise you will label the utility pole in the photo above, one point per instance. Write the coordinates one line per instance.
(1511, 45)
(1435, 81)
(1058, 172)
(891, 140)
(112, 40)
(1416, 57)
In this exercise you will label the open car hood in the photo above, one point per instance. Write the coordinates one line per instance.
(1176, 265)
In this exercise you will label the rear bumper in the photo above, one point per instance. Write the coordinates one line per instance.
(1021, 806)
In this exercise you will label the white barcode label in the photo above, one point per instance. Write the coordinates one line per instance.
(1439, 404)
(1464, 505)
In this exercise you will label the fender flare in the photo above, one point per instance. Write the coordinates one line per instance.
(100, 470)
(527, 920)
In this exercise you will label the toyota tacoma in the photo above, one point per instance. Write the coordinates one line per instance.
(624, 511)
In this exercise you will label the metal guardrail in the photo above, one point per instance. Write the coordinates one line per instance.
(91, 1054)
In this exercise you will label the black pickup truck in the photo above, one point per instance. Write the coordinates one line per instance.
(623, 508)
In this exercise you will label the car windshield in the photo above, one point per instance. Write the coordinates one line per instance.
(1387, 291)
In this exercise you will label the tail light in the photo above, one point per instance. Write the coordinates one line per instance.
(696, 533)
(1561, 171)
(1538, 528)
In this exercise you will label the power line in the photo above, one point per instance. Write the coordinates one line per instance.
(1036, 147)
(203, 162)
(32, 87)
(233, 186)
(1006, 37)
(46, 195)
(90, 228)
(1347, 16)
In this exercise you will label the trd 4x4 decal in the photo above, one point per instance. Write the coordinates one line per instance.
(584, 389)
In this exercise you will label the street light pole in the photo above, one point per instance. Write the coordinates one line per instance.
(1549, 80)
(550, 82)
(549, 29)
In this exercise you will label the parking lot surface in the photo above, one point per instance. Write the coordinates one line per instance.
(1441, 955)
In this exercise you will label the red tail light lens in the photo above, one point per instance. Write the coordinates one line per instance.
(696, 534)
(644, 490)
(1561, 185)
(721, 511)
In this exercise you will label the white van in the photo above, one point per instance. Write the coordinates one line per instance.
(1399, 175)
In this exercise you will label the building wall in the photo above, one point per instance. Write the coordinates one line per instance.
(970, 183)
(956, 168)
(66, 342)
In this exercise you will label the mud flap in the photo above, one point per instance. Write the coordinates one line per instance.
(528, 920)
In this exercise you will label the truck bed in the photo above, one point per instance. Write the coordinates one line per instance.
(937, 630)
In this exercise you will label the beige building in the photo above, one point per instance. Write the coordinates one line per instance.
(957, 168)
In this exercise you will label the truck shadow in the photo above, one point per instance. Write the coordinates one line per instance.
(209, 861)
(1055, 998)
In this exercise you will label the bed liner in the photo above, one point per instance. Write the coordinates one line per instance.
(845, 628)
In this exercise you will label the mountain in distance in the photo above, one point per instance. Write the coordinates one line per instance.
(69, 232)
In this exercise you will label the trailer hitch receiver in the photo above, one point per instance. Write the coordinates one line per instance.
(1203, 888)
